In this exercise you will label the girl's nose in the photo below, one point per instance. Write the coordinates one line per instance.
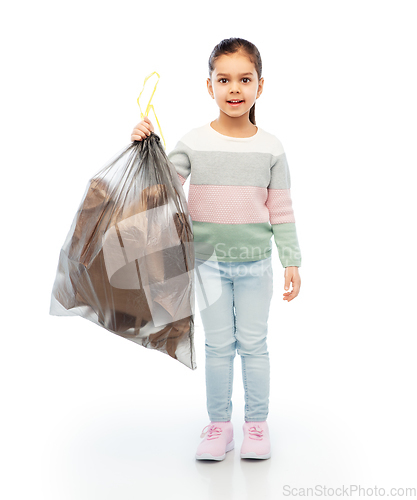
(234, 88)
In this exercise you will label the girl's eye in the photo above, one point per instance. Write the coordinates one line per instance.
(245, 78)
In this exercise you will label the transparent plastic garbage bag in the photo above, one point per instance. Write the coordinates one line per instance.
(127, 263)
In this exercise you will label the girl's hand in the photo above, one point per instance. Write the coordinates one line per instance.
(142, 130)
(291, 276)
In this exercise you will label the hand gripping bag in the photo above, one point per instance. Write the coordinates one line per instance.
(127, 263)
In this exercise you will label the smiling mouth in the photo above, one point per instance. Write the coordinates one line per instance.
(235, 102)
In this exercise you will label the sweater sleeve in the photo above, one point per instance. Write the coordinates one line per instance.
(281, 213)
(180, 158)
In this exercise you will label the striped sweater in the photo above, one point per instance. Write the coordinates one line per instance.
(239, 195)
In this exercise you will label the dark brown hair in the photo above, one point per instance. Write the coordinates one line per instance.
(232, 45)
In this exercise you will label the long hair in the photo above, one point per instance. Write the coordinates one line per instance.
(232, 45)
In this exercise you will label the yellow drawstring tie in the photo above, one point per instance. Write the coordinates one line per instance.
(149, 106)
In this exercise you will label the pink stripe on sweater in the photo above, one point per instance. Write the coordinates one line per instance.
(228, 204)
(279, 205)
(181, 179)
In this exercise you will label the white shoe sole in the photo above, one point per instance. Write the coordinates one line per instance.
(252, 454)
(209, 456)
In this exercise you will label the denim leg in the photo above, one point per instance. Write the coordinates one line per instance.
(215, 300)
(253, 290)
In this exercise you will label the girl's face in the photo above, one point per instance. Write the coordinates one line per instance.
(234, 78)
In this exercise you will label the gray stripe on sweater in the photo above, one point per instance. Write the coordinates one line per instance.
(211, 167)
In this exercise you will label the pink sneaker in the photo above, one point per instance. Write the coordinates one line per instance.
(256, 442)
(217, 441)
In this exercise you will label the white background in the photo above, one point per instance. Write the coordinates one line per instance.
(87, 414)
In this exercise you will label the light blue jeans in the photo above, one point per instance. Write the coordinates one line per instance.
(234, 300)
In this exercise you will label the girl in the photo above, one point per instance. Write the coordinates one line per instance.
(239, 197)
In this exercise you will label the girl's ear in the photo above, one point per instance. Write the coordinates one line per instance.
(260, 87)
(210, 88)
